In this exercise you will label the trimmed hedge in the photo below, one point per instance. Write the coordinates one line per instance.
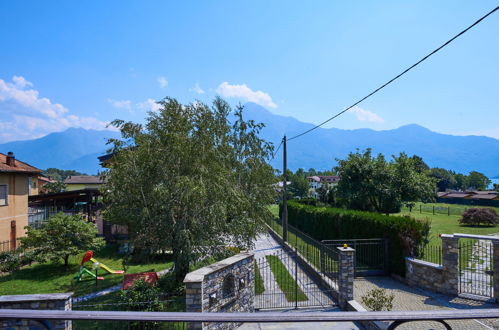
(406, 236)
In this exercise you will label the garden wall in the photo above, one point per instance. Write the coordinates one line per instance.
(225, 286)
(54, 301)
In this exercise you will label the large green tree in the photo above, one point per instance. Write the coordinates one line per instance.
(478, 181)
(62, 236)
(190, 180)
(445, 179)
(299, 184)
(372, 184)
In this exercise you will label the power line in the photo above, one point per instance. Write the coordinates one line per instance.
(275, 152)
(398, 76)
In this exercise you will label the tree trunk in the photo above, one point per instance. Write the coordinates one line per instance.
(181, 255)
(66, 261)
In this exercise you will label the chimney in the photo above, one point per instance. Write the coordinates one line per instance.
(11, 159)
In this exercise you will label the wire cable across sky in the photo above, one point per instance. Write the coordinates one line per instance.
(398, 76)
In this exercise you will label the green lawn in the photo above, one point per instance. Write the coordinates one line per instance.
(274, 208)
(259, 288)
(448, 224)
(284, 279)
(52, 278)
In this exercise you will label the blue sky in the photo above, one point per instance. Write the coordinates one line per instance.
(81, 64)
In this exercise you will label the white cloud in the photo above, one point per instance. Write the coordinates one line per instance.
(162, 82)
(21, 82)
(121, 104)
(149, 105)
(366, 115)
(26, 115)
(196, 89)
(244, 92)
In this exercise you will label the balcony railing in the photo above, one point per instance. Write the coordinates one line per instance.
(42, 316)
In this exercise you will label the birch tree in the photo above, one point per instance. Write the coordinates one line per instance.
(192, 179)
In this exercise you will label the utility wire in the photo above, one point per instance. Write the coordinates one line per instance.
(398, 76)
(279, 147)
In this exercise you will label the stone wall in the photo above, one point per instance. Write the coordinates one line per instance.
(226, 286)
(424, 274)
(54, 301)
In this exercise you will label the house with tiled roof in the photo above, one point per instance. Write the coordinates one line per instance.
(78, 182)
(18, 180)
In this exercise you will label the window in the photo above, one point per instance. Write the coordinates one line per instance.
(3, 195)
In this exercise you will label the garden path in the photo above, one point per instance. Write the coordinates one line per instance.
(408, 298)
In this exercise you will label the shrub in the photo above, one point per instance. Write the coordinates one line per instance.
(406, 235)
(477, 216)
(142, 296)
(378, 300)
(9, 261)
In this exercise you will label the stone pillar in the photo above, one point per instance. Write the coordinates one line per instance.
(495, 262)
(346, 274)
(450, 264)
(193, 301)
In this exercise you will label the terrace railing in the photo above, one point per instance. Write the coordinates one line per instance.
(178, 320)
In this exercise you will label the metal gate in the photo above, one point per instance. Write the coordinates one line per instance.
(476, 267)
(371, 254)
(281, 282)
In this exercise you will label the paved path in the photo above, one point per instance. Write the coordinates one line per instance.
(408, 298)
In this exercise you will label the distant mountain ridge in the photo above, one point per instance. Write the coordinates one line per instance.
(78, 148)
(321, 147)
(73, 149)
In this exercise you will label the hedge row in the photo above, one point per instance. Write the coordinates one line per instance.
(406, 236)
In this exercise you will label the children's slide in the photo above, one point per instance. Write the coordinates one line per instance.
(106, 268)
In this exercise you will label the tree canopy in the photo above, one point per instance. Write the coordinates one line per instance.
(190, 180)
(60, 175)
(372, 184)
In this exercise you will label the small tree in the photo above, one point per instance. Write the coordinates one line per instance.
(54, 187)
(62, 236)
(378, 300)
(477, 216)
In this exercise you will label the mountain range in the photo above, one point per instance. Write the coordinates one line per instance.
(78, 148)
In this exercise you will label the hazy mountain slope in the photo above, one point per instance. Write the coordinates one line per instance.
(75, 148)
(319, 148)
(78, 148)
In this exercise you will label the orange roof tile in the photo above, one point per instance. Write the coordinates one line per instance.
(19, 166)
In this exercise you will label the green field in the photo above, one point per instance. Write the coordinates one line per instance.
(441, 223)
(52, 278)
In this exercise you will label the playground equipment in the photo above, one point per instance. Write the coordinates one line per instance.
(88, 256)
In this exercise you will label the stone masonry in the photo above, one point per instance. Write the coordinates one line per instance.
(437, 278)
(450, 264)
(424, 274)
(346, 275)
(57, 301)
(226, 286)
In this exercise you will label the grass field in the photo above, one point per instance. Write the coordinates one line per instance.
(52, 278)
(448, 224)
(286, 282)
